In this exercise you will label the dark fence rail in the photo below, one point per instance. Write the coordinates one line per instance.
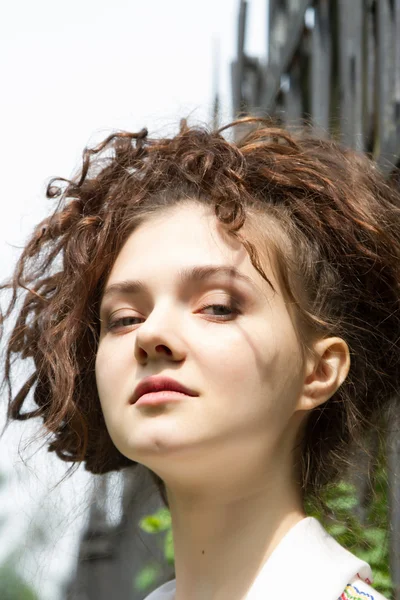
(335, 66)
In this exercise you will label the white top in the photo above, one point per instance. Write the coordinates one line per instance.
(307, 564)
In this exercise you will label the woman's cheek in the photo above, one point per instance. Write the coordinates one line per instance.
(103, 371)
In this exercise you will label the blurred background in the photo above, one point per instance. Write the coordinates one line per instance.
(70, 74)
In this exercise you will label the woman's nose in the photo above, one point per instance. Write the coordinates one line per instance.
(158, 336)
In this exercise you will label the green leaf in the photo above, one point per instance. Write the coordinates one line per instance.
(159, 521)
(375, 536)
(373, 556)
(150, 524)
(147, 577)
(382, 581)
(342, 503)
(337, 529)
(169, 548)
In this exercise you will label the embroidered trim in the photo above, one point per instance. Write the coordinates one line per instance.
(352, 593)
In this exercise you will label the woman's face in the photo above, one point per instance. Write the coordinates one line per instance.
(244, 364)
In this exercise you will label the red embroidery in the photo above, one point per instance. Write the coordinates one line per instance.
(366, 579)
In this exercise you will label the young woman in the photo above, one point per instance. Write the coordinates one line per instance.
(226, 314)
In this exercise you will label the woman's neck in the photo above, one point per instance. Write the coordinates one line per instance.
(222, 541)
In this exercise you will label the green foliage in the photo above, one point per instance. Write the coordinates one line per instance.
(169, 548)
(158, 523)
(147, 577)
(12, 586)
(369, 541)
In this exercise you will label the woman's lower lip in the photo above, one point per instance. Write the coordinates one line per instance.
(154, 398)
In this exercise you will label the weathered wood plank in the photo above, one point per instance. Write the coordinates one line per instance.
(321, 67)
(285, 31)
(369, 75)
(237, 67)
(386, 148)
(350, 72)
(397, 82)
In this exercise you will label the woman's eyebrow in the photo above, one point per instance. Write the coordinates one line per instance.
(186, 275)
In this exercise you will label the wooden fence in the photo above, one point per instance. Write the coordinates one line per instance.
(334, 61)
(334, 64)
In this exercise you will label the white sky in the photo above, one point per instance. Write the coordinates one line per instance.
(70, 72)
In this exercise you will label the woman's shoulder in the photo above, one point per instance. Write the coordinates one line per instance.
(356, 590)
(360, 590)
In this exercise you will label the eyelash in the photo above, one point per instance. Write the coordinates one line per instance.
(233, 307)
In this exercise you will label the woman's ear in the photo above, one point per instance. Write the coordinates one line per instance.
(325, 372)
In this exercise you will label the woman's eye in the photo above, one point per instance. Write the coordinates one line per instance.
(121, 322)
(229, 310)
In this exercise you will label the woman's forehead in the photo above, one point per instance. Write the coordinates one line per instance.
(185, 237)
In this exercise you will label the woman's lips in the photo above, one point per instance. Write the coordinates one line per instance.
(155, 398)
(159, 383)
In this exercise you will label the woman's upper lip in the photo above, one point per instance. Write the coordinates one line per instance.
(159, 384)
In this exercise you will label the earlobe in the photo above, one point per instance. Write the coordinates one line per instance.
(325, 372)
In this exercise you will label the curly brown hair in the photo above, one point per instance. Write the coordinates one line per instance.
(340, 270)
